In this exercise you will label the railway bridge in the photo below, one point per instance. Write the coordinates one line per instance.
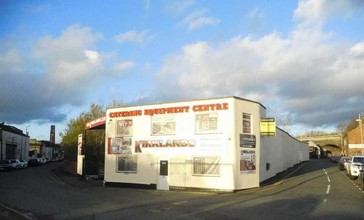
(331, 142)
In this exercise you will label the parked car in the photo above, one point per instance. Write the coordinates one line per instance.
(343, 163)
(15, 163)
(42, 160)
(335, 158)
(361, 179)
(34, 162)
(356, 166)
(5, 165)
(24, 163)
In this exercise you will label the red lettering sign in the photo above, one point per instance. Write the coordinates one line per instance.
(171, 110)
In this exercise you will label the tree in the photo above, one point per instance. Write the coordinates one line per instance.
(75, 126)
(94, 140)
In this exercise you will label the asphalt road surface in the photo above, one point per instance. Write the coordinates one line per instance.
(318, 190)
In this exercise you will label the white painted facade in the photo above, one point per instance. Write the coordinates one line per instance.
(281, 152)
(13, 145)
(200, 144)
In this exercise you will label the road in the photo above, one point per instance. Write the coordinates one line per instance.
(318, 190)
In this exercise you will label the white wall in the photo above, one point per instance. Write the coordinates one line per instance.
(20, 141)
(281, 152)
(244, 180)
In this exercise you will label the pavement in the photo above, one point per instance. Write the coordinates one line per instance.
(75, 180)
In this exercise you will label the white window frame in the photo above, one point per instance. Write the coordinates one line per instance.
(206, 166)
(131, 161)
(247, 120)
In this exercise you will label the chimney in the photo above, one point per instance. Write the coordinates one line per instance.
(52, 138)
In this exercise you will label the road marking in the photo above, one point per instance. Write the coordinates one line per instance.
(328, 180)
(328, 186)
(325, 172)
(179, 203)
(328, 189)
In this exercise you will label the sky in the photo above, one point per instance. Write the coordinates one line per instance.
(302, 60)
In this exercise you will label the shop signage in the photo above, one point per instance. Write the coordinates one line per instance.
(247, 140)
(79, 144)
(163, 144)
(171, 110)
(268, 127)
(96, 122)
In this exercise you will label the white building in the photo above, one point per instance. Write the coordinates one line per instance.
(13, 143)
(213, 144)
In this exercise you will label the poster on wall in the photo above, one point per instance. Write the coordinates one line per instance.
(247, 140)
(124, 127)
(119, 145)
(247, 161)
(206, 123)
(163, 125)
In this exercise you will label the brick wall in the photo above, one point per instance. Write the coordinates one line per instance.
(354, 136)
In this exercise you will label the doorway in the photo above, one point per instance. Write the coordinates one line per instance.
(163, 177)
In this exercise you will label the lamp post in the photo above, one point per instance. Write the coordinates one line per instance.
(26, 130)
(359, 120)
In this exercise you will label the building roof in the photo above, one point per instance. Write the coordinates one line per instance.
(11, 129)
(193, 100)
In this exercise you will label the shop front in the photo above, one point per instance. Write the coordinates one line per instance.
(211, 144)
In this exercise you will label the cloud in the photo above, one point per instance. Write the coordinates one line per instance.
(133, 36)
(122, 66)
(197, 19)
(93, 56)
(178, 6)
(316, 79)
(316, 12)
(67, 68)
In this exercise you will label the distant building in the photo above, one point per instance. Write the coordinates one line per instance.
(50, 150)
(43, 148)
(14, 144)
(35, 148)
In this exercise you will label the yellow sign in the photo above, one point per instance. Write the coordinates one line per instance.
(268, 127)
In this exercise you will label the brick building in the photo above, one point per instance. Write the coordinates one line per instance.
(354, 140)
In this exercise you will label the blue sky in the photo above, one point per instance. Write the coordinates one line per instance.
(303, 60)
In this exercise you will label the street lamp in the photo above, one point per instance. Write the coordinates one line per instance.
(359, 120)
(26, 130)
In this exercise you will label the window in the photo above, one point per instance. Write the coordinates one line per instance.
(127, 164)
(247, 123)
(206, 166)
(206, 123)
(163, 125)
(124, 127)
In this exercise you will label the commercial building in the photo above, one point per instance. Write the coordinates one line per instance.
(14, 144)
(214, 144)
